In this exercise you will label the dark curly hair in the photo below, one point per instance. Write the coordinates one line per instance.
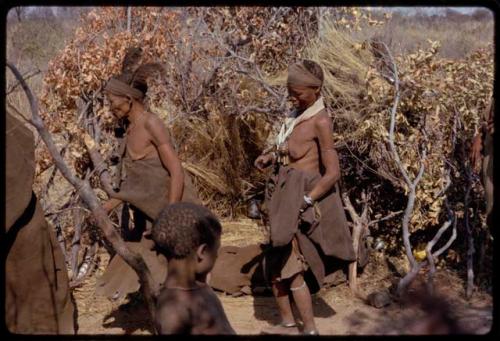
(182, 227)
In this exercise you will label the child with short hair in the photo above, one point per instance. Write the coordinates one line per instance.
(189, 237)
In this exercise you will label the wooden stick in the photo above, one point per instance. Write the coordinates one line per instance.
(357, 228)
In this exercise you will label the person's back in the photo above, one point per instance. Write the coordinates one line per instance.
(193, 311)
(189, 236)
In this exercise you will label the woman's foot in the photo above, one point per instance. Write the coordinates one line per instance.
(310, 332)
(282, 328)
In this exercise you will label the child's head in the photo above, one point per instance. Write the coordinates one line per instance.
(304, 82)
(185, 230)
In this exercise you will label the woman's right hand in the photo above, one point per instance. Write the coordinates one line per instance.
(263, 161)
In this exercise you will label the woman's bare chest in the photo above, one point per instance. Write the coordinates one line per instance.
(139, 142)
(302, 140)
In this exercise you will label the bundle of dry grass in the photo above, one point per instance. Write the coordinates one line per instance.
(345, 63)
(219, 153)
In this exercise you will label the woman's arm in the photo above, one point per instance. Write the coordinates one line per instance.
(264, 160)
(168, 156)
(111, 204)
(323, 128)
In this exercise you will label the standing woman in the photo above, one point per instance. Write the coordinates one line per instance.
(308, 226)
(152, 174)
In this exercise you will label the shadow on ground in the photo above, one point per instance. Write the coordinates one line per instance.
(130, 316)
(265, 309)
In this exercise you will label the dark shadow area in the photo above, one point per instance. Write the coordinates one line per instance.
(265, 308)
(357, 318)
(321, 308)
(131, 231)
(130, 316)
(23, 220)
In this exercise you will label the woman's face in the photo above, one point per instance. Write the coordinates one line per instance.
(120, 106)
(302, 97)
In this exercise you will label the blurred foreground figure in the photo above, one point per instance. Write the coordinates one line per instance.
(37, 296)
(438, 319)
(482, 148)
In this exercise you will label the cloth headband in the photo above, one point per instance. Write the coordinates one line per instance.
(119, 88)
(299, 75)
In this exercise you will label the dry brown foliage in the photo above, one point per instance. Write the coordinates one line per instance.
(223, 95)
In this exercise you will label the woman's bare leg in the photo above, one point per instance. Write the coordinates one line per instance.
(303, 301)
(280, 291)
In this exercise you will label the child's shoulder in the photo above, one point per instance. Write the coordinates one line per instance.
(173, 315)
(171, 296)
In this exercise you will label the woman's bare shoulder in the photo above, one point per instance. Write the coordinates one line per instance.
(323, 118)
(153, 119)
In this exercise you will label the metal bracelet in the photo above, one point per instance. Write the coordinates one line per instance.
(308, 200)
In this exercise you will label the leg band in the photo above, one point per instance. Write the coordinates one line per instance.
(299, 287)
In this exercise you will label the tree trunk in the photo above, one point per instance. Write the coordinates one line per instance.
(129, 18)
(470, 238)
(75, 243)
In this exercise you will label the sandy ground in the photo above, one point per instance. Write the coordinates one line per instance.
(336, 310)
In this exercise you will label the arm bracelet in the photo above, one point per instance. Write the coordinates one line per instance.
(308, 200)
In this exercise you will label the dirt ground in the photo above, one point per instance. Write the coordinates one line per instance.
(337, 311)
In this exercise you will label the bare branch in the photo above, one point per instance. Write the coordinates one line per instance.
(389, 177)
(365, 198)
(387, 217)
(430, 245)
(350, 208)
(75, 243)
(393, 118)
(129, 17)
(449, 242)
(421, 169)
(62, 242)
(255, 109)
(18, 112)
(157, 22)
(406, 222)
(431, 256)
(410, 276)
(26, 77)
(358, 226)
(470, 238)
(99, 165)
(411, 184)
